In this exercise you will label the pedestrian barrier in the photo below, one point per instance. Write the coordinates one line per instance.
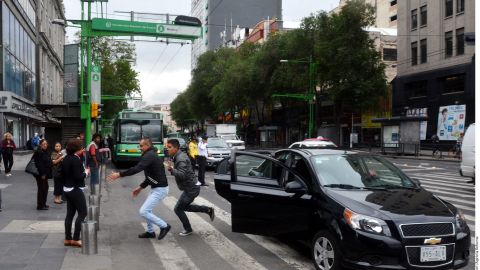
(89, 238)
(94, 215)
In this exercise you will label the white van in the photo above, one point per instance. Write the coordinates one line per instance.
(467, 167)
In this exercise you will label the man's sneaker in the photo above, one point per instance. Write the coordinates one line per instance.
(185, 233)
(163, 232)
(147, 235)
(198, 183)
(211, 213)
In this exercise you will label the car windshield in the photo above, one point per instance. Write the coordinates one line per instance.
(217, 143)
(359, 172)
(229, 137)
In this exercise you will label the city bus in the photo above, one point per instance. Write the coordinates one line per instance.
(128, 127)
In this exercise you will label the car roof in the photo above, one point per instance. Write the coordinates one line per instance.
(308, 152)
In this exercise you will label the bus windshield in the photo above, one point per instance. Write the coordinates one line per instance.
(131, 131)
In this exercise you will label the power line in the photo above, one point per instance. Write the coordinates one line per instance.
(156, 61)
(165, 67)
(214, 8)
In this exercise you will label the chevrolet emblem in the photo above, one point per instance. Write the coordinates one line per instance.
(432, 241)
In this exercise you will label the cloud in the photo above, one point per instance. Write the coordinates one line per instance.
(163, 88)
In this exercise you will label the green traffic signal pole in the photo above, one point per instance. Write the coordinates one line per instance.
(86, 96)
(309, 96)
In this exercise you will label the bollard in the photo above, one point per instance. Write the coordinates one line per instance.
(93, 200)
(97, 189)
(94, 215)
(89, 238)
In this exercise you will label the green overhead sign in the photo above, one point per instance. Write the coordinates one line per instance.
(146, 28)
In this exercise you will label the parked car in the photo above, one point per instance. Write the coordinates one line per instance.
(467, 167)
(314, 143)
(355, 210)
(217, 151)
(233, 141)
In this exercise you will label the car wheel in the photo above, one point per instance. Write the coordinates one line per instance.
(325, 251)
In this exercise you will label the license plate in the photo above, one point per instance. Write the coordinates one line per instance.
(433, 254)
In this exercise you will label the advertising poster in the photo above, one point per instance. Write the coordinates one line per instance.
(451, 122)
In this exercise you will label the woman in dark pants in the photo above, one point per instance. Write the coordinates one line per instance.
(57, 158)
(8, 145)
(43, 162)
(74, 175)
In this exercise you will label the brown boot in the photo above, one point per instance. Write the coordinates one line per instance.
(77, 243)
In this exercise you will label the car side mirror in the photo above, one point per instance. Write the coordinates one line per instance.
(296, 187)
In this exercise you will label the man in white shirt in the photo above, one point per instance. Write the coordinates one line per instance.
(202, 160)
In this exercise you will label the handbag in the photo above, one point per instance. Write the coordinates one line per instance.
(32, 168)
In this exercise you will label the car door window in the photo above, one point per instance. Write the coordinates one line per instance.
(257, 170)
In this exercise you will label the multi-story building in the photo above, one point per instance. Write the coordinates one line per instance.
(167, 115)
(385, 12)
(436, 66)
(221, 17)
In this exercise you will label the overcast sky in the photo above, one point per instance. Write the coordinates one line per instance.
(163, 75)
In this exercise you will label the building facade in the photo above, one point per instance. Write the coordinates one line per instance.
(436, 65)
(385, 12)
(220, 18)
(21, 95)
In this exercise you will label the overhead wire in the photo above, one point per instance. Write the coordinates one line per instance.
(156, 61)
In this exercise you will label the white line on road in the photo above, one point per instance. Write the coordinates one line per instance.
(4, 186)
(225, 248)
(436, 188)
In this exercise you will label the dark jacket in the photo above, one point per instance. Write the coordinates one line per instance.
(152, 165)
(43, 162)
(183, 172)
(8, 146)
(73, 172)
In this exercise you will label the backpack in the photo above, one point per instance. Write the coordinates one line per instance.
(35, 141)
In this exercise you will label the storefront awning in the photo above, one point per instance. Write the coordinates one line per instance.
(398, 119)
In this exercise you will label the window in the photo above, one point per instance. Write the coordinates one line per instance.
(414, 19)
(460, 6)
(448, 44)
(460, 41)
(448, 8)
(257, 170)
(393, 3)
(423, 51)
(393, 18)
(417, 89)
(414, 51)
(6, 26)
(454, 84)
(389, 54)
(423, 16)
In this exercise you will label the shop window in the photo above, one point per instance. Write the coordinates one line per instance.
(417, 89)
(454, 84)
(423, 51)
(389, 54)
(448, 44)
(414, 19)
(414, 53)
(448, 8)
(460, 41)
(423, 16)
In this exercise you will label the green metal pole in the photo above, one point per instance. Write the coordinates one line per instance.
(88, 121)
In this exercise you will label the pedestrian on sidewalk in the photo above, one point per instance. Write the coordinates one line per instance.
(435, 142)
(94, 158)
(193, 151)
(202, 159)
(57, 158)
(8, 145)
(185, 178)
(43, 162)
(155, 177)
(74, 173)
(35, 141)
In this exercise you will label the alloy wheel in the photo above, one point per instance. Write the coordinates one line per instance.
(324, 253)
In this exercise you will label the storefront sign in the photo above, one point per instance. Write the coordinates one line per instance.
(451, 122)
(417, 112)
(10, 103)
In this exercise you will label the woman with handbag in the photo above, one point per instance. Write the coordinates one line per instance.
(43, 162)
(74, 175)
(57, 158)
(8, 145)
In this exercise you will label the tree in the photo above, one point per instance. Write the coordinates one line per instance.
(180, 109)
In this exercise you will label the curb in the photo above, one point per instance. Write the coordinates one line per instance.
(421, 158)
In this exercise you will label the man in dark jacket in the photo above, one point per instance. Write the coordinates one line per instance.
(186, 182)
(155, 177)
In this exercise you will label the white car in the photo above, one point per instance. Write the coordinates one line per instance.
(233, 141)
(467, 167)
(314, 143)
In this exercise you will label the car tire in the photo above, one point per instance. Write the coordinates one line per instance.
(326, 253)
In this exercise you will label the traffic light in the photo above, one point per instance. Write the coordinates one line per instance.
(99, 110)
(94, 110)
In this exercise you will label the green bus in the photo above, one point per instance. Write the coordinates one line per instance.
(129, 126)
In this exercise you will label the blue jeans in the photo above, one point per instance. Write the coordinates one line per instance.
(94, 175)
(155, 197)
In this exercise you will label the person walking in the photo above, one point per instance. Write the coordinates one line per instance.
(155, 177)
(74, 174)
(94, 158)
(185, 179)
(43, 162)
(193, 151)
(35, 141)
(435, 141)
(8, 145)
(57, 158)
(202, 159)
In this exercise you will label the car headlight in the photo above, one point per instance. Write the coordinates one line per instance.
(366, 223)
(460, 221)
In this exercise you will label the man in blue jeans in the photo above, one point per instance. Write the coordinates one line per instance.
(155, 177)
(94, 158)
(186, 182)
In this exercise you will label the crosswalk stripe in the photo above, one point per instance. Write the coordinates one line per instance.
(443, 177)
(460, 186)
(225, 248)
(436, 188)
(450, 199)
(4, 186)
(282, 251)
(171, 255)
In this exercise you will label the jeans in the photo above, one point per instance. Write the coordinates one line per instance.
(94, 175)
(155, 197)
(75, 203)
(184, 203)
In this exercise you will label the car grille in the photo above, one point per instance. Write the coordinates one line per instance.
(427, 229)
(220, 155)
(413, 254)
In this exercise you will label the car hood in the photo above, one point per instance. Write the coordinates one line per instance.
(218, 150)
(396, 204)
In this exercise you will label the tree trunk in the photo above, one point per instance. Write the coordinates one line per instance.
(337, 116)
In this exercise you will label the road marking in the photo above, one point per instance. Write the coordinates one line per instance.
(436, 188)
(225, 248)
(4, 186)
(448, 199)
(171, 254)
(282, 251)
(34, 226)
(443, 177)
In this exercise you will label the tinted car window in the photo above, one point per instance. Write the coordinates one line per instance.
(255, 167)
(216, 143)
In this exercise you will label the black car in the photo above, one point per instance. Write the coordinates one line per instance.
(356, 210)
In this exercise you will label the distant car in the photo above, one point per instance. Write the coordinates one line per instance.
(217, 150)
(355, 210)
(467, 167)
(314, 143)
(183, 144)
(233, 141)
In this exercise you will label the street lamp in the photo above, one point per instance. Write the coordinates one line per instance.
(310, 95)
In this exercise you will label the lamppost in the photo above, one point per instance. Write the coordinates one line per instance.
(309, 96)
